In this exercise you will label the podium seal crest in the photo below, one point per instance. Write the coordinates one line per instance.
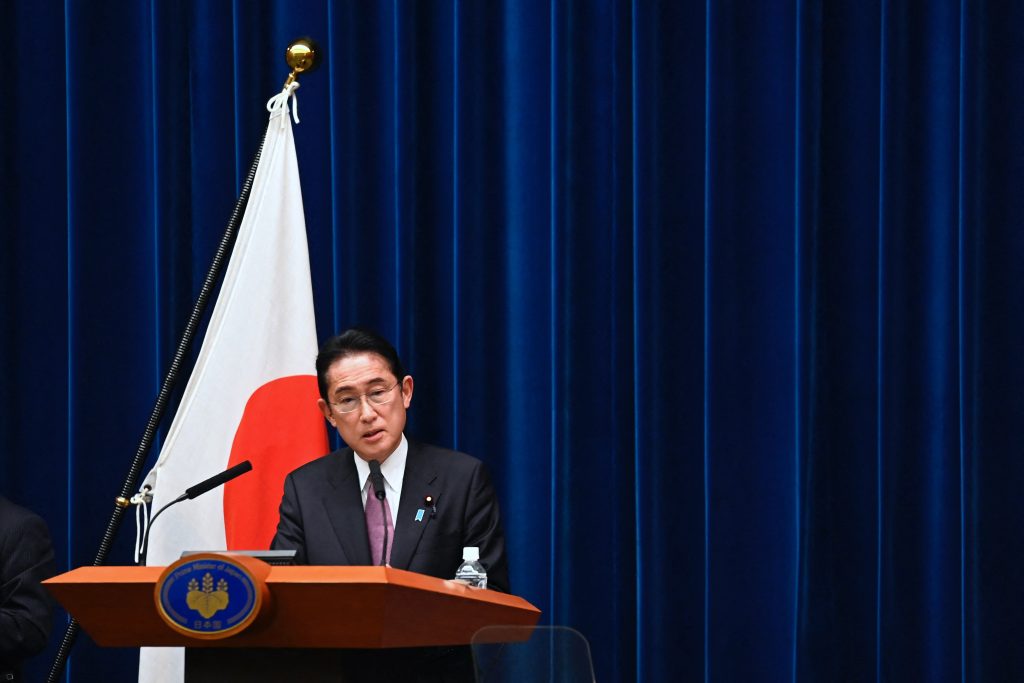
(211, 595)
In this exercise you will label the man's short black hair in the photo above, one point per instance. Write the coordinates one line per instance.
(352, 341)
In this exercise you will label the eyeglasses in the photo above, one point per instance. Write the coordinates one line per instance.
(379, 397)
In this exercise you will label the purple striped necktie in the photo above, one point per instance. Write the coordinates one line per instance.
(375, 525)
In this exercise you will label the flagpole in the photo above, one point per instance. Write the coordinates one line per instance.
(302, 56)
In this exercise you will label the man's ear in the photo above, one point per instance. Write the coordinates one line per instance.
(326, 410)
(407, 390)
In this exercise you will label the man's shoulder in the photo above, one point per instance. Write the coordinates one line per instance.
(338, 462)
(444, 458)
(14, 515)
(318, 468)
(20, 526)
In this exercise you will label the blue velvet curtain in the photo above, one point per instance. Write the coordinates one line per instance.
(726, 294)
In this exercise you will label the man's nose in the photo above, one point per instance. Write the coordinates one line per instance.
(366, 411)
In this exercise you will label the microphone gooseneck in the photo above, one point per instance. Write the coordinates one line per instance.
(194, 492)
(376, 479)
(377, 482)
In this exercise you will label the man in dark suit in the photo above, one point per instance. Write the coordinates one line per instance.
(26, 610)
(437, 501)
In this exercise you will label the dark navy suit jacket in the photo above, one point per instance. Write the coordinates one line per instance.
(26, 558)
(322, 515)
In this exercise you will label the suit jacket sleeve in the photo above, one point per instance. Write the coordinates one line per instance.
(484, 530)
(290, 535)
(26, 610)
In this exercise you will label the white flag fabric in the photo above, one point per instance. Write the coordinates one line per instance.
(252, 394)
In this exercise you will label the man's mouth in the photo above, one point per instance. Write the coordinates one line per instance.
(372, 434)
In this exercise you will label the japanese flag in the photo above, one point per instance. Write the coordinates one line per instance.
(252, 394)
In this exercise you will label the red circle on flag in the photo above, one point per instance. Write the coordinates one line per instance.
(281, 429)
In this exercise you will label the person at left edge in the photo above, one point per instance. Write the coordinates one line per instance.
(26, 610)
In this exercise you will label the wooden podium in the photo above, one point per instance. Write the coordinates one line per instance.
(312, 612)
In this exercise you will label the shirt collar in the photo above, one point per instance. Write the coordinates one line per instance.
(393, 468)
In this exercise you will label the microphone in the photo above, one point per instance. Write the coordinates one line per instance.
(216, 480)
(377, 482)
(194, 492)
(376, 479)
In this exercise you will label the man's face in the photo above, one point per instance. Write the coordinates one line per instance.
(372, 430)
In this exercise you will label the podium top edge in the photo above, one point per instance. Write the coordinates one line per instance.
(299, 575)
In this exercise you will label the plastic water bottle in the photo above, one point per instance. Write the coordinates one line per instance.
(471, 572)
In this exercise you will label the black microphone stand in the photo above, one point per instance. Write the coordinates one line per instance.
(377, 484)
(192, 492)
(384, 515)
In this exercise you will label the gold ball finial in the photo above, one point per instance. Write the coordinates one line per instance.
(302, 56)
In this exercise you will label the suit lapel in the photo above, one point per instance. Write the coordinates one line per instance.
(344, 507)
(419, 482)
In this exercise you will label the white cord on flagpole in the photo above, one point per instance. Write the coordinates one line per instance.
(278, 104)
(141, 501)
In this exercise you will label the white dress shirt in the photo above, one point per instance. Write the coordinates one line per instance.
(393, 470)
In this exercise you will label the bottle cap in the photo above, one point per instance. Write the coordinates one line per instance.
(470, 554)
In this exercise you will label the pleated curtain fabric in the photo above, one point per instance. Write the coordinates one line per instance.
(727, 295)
